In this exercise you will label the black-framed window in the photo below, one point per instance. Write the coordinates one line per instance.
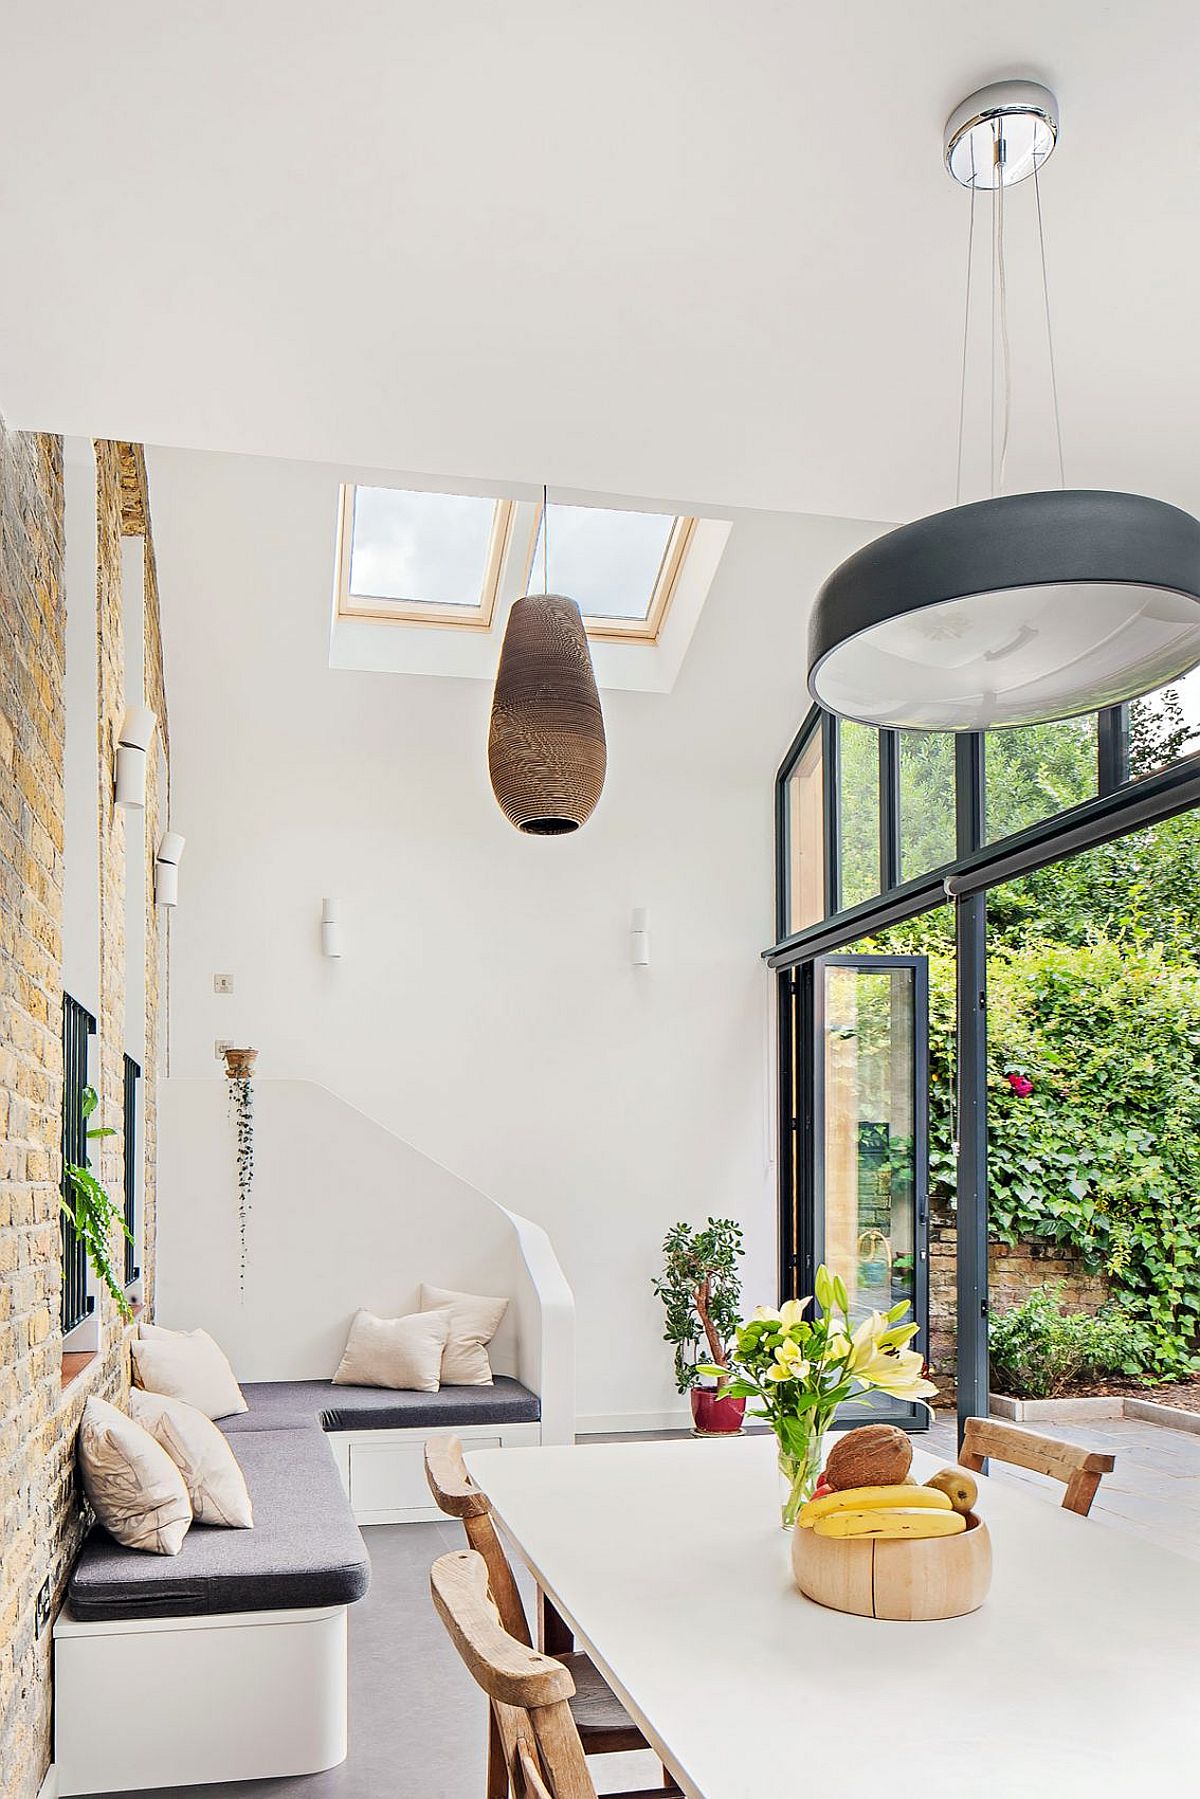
(129, 1122)
(78, 1026)
(1096, 780)
(935, 797)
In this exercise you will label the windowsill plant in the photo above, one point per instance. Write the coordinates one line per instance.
(801, 1370)
(93, 1214)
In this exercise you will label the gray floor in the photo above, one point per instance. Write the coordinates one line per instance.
(417, 1722)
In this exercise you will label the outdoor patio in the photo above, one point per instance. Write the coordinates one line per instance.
(1154, 1490)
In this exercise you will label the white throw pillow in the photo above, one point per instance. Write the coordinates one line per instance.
(134, 1487)
(474, 1321)
(216, 1485)
(186, 1365)
(395, 1352)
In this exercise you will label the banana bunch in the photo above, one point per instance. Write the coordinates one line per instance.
(898, 1511)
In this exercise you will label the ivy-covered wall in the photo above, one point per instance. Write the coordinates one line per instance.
(1093, 1090)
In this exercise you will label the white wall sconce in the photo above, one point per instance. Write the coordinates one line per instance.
(166, 869)
(331, 930)
(639, 938)
(133, 741)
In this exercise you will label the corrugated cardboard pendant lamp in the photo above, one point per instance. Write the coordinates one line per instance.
(546, 748)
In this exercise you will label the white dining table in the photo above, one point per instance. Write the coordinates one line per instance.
(1080, 1674)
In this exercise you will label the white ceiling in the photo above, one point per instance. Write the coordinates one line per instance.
(680, 248)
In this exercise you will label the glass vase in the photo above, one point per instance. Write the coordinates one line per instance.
(801, 1472)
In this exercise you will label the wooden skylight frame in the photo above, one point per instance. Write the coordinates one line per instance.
(632, 630)
(423, 612)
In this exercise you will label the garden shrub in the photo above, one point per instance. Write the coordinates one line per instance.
(1037, 1349)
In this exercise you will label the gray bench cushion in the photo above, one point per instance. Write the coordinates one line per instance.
(304, 1549)
(380, 1408)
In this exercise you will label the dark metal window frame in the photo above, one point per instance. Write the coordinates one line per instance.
(1121, 805)
(77, 1303)
(129, 1145)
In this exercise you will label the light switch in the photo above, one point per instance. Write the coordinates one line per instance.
(222, 983)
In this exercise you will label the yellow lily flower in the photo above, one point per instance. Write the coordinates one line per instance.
(791, 1312)
(865, 1341)
(898, 1336)
(898, 1372)
(789, 1363)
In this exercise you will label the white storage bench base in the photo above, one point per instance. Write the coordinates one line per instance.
(236, 1696)
(383, 1471)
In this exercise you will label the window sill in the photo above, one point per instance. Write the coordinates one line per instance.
(77, 1361)
(74, 1363)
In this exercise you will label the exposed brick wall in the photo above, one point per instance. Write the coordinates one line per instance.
(1012, 1273)
(40, 1514)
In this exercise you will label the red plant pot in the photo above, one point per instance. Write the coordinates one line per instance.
(715, 1415)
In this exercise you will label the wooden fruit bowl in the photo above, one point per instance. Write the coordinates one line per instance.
(890, 1577)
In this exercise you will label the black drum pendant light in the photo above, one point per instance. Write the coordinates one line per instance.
(546, 749)
(1024, 607)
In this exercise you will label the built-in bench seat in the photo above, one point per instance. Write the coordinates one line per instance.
(304, 1550)
(279, 1404)
(377, 1435)
(235, 1647)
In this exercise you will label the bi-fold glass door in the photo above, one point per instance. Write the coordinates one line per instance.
(859, 1091)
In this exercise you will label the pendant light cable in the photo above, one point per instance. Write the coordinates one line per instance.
(1005, 346)
(962, 387)
(1037, 195)
(545, 539)
(992, 346)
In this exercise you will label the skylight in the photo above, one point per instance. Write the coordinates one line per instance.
(423, 557)
(620, 567)
(446, 559)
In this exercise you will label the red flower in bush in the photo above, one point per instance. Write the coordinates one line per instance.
(1021, 1085)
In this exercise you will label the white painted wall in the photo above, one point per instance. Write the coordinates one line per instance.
(342, 1214)
(485, 1008)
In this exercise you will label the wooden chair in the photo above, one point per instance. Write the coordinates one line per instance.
(603, 1724)
(529, 1693)
(1080, 1468)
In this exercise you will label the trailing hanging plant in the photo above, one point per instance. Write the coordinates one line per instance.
(93, 1214)
(239, 1065)
(702, 1292)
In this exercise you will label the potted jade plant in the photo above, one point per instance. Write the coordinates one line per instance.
(802, 1369)
(701, 1291)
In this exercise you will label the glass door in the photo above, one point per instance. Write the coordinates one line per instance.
(869, 1177)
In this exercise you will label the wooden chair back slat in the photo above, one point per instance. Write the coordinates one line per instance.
(528, 1691)
(449, 1480)
(1079, 1469)
(458, 1496)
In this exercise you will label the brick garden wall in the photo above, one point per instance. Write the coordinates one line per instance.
(1012, 1273)
(40, 1514)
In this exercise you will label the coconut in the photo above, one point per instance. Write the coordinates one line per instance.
(873, 1455)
